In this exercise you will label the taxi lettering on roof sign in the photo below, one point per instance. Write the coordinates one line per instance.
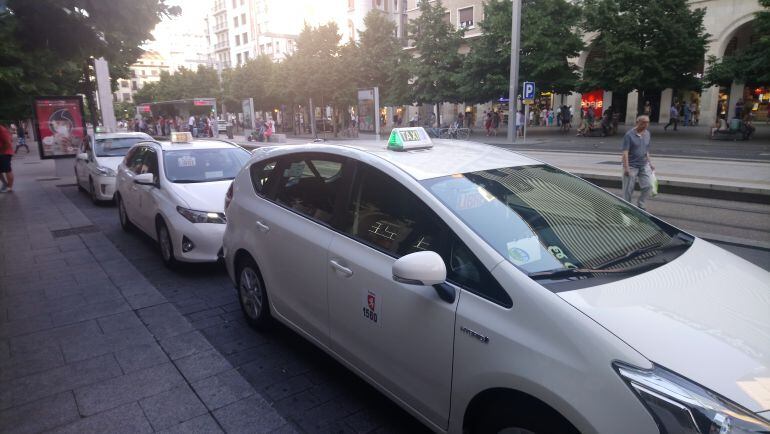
(181, 137)
(404, 139)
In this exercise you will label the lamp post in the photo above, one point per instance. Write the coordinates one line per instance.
(513, 86)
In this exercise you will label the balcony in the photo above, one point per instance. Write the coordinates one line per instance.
(222, 45)
(217, 27)
(219, 6)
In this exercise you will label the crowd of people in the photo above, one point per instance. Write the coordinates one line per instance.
(199, 126)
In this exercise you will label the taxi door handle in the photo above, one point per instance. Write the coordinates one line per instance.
(345, 271)
(262, 227)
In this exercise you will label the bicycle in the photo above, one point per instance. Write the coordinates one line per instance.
(455, 133)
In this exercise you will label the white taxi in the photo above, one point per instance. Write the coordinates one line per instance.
(173, 191)
(98, 159)
(484, 291)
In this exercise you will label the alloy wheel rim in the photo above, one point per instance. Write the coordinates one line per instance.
(251, 293)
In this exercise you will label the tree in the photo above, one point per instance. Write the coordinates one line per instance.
(437, 60)
(644, 45)
(381, 60)
(548, 39)
(46, 42)
(253, 80)
(750, 65)
(184, 84)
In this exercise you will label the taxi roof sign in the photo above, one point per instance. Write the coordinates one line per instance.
(181, 137)
(404, 139)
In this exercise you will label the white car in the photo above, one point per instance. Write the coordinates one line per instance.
(485, 291)
(98, 159)
(174, 192)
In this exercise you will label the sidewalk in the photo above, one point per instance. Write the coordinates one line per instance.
(87, 344)
(702, 176)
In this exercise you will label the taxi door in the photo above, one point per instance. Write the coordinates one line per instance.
(147, 204)
(399, 335)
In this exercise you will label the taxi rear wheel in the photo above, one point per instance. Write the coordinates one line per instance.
(92, 192)
(77, 181)
(520, 417)
(252, 294)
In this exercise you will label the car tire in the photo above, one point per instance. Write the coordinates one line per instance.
(165, 245)
(252, 294)
(92, 192)
(125, 223)
(499, 418)
(77, 181)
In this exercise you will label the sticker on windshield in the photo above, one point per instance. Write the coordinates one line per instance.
(524, 251)
(473, 198)
(215, 174)
(372, 307)
(295, 170)
(185, 161)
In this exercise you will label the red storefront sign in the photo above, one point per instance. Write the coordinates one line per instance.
(593, 100)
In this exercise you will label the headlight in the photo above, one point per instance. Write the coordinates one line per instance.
(202, 216)
(105, 171)
(681, 406)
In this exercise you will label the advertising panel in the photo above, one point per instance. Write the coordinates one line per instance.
(248, 113)
(368, 109)
(60, 125)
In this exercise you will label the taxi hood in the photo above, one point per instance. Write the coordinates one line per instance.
(204, 196)
(111, 162)
(705, 316)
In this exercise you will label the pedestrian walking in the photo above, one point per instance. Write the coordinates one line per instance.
(739, 108)
(647, 109)
(495, 122)
(488, 123)
(687, 115)
(636, 161)
(22, 138)
(520, 123)
(6, 153)
(673, 117)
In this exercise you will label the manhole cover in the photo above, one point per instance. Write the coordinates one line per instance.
(74, 231)
(48, 179)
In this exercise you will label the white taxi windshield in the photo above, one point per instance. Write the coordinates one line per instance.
(115, 147)
(203, 165)
(540, 218)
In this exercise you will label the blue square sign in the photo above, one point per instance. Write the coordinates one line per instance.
(529, 91)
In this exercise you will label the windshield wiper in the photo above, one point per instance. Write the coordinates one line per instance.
(682, 240)
(561, 273)
(188, 181)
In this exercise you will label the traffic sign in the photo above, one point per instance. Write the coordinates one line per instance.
(529, 92)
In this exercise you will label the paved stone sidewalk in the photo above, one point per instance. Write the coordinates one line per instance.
(87, 344)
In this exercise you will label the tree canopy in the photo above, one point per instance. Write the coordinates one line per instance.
(750, 65)
(643, 44)
(185, 83)
(437, 61)
(46, 44)
(381, 61)
(548, 38)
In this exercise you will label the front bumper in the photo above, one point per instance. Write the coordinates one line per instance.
(105, 187)
(206, 238)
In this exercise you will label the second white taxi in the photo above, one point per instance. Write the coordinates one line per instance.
(98, 159)
(173, 191)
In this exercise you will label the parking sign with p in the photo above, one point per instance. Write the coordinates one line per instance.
(529, 92)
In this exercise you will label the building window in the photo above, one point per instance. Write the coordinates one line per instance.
(154, 72)
(123, 83)
(238, 56)
(126, 96)
(133, 85)
(237, 39)
(351, 5)
(243, 19)
(235, 4)
(245, 37)
(448, 18)
(242, 1)
(245, 56)
(235, 21)
(465, 17)
(144, 73)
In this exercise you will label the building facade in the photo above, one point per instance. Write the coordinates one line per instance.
(147, 69)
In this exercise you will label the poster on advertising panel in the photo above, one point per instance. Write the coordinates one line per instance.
(368, 110)
(60, 125)
(248, 113)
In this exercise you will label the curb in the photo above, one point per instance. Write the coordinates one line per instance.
(710, 191)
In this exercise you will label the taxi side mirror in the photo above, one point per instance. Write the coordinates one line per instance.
(145, 179)
(424, 268)
(82, 156)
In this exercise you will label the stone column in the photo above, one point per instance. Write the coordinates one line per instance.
(606, 100)
(665, 105)
(709, 100)
(632, 107)
(736, 92)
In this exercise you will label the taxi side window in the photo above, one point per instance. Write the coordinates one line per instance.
(263, 176)
(310, 184)
(134, 159)
(150, 164)
(386, 215)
